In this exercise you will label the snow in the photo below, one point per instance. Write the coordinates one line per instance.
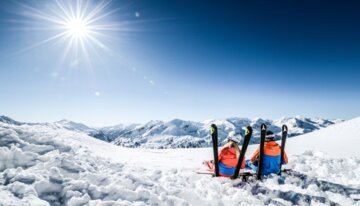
(188, 134)
(45, 165)
(340, 140)
(74, 126)
(178, 133)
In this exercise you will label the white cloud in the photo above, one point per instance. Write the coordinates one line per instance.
(152, 82)
(137, 14)
(97, 94)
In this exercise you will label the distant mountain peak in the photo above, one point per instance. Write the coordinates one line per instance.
(74, 126)
(182, 133)
(64, 120)
(8, 120)
(174, 133)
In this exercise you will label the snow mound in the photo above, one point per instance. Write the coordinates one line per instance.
(44, 165)
(340, 140)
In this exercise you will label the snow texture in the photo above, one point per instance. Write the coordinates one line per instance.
(45, 165)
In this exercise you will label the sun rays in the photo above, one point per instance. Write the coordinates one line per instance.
(80, 26)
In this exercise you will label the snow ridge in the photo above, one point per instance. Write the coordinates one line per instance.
(179, 133)
(174, 133)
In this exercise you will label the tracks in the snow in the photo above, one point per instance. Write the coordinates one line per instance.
(302, 181)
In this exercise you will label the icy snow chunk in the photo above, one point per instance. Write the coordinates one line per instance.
(155, 175)
(39, 149)
(75, 188)
(16, 158)
(77, 201)
(116, 192)
(71, 166)
(34, 201)
(23, 176)
(8, 136)
(137, 180)
(63, 148)
(8, 198)
(20, 189)
(55, 175)
(95, 192)
(97, 179)
(143, 193)
(70, 194)
(9, 174)
(48, 191)
(76, 185)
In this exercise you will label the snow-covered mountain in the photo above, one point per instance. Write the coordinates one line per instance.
(179, 133)
(74, 126)
(184, 134)
(44, 165)
(8, 120)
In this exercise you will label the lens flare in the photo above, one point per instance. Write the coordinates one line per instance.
(80, 26)
(77, 28)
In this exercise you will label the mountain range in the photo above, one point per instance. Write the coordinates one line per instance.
(179, 133)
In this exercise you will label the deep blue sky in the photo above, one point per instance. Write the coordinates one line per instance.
(184, 59)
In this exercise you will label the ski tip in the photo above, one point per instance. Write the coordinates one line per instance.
(263, 126)
(284, 128)
(248, 130)
(213, 128)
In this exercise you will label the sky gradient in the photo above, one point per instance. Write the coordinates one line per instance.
(193, 60)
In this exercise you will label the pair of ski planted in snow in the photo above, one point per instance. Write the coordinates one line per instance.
(214, 136)
(284, 131)
(248, 134)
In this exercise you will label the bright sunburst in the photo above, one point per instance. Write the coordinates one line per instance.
(77, 28)
(80, 25)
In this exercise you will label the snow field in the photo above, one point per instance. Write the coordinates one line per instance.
(40, 165)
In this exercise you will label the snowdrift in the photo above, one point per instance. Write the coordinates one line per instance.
(340, 140)
(44, 165)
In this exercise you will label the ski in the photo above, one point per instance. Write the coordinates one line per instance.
(283, 141)
(248, 133)
(214, 136)
(205, 173)
(247, 174)
(262, 142)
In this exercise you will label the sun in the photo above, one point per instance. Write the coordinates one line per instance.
(77, 28)
(82, 28)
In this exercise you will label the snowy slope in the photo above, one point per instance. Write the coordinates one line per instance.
(337, 140)
(45, 165)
